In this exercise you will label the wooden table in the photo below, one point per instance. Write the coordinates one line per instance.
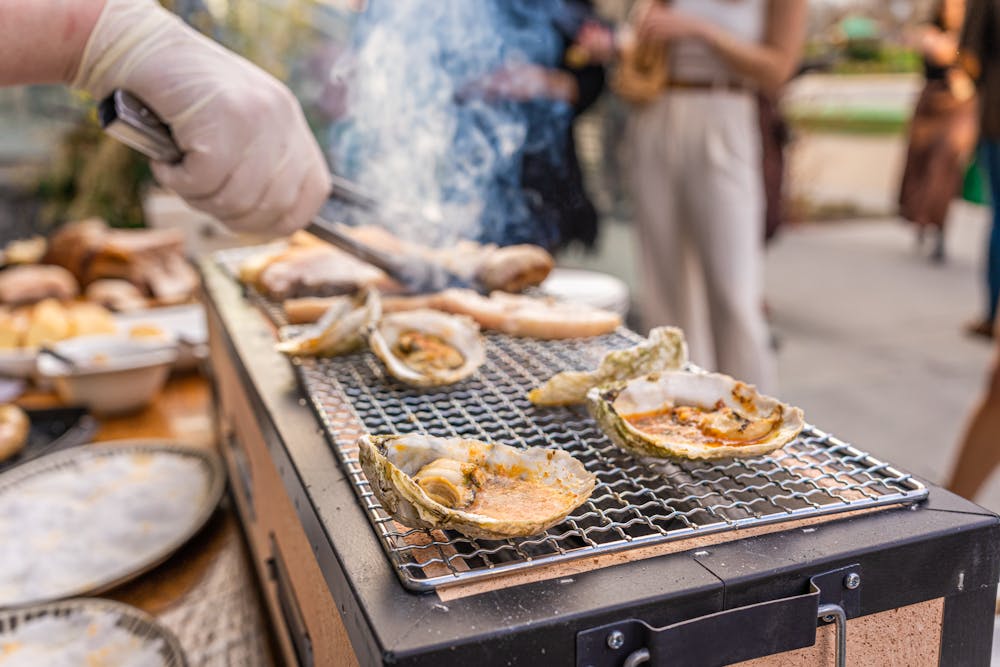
(206, 593)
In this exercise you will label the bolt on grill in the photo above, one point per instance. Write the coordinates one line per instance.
(635, 503)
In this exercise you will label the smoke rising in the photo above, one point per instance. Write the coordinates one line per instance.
(422, 130)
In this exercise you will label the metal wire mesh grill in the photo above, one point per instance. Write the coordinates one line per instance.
(635, 503)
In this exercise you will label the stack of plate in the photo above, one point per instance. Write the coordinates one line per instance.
(86, 631)
(84, 520)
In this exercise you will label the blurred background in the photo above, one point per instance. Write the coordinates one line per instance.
(861, 82)
(867, 323)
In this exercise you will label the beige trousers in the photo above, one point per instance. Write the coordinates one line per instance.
(697, 186)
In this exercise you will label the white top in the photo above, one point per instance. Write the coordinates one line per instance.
(692, 59)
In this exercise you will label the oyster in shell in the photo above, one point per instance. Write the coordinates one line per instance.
(428, 348)
(482, 490)
(678, 414)
(663, 350)
(340, 330)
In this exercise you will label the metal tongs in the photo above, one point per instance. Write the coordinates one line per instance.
(130, 121)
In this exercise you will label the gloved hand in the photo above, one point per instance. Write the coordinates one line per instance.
(249, 156)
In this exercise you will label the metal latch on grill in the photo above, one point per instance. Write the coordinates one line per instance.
(733, 635)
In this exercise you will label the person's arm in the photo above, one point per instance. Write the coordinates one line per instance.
(62, 26)
(769, 63)
(936, 45)
(250, 158)
(972, 43)
(527, 81)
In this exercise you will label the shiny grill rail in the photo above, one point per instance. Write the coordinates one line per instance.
(635, 503)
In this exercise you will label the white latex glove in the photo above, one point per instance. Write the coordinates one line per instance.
(249, 156)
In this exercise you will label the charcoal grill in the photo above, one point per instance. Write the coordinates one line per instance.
(661, 556)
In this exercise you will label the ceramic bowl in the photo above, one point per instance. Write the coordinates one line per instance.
(113, 375)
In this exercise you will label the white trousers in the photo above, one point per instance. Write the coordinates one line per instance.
(698, 190)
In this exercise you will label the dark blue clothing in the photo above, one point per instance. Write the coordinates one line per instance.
(512, 160)
(989, 155)
(563, 204)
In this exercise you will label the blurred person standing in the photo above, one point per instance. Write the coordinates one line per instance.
(696, 171)
(481, 132)
(775, 136)
(551, 177)
(979, 54)
(943, 129)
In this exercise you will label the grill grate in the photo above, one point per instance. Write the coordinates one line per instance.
(634, 504)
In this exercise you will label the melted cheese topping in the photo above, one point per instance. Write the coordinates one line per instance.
(719, 426)
(426, 352)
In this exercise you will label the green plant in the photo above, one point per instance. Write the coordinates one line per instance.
(94, 176)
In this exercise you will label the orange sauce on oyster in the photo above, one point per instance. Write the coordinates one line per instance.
(510, 498)
(426, 352)
(718, 426)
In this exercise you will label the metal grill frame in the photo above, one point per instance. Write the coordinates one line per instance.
(658, 501)
(816, 475)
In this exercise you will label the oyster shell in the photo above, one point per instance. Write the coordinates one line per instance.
(678, 414)
(664, 349)
(428, 348)
(340, 330)
(450, 482)
(492, 492)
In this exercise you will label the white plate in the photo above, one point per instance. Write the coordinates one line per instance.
(60, 631)
(593, 288)
(186, 322)
(84, 520)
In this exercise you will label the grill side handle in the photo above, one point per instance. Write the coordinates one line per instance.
(733, 635)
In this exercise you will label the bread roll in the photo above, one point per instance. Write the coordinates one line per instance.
(50, 323)
(14, 428)
(25, 251)
(12, 329)
(89, 319)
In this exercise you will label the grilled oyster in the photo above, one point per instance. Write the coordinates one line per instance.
(665, 349)
(428, 348)
(340, 330)
(685, 415)
(482, 490)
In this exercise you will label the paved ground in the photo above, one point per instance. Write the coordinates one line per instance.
(845, 174)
